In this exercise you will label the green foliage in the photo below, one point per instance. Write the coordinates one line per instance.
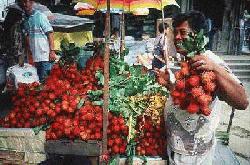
(126, 81)
(100, 77)
(69, 52)
(95, 95)
(41, 128)
(194, 44)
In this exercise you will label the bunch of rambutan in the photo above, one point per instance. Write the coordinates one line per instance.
(194, 90)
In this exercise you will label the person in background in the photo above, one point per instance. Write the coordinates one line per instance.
(163, 46)
(40, 39)
(191, 137)
(13, 36)
(159, 45)
(115, 38)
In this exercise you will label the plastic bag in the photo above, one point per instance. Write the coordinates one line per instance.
(16, 74)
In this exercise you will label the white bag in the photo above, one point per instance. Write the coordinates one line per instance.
(16, 74)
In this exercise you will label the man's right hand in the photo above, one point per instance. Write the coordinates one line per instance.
(52, 55)
(162, 77)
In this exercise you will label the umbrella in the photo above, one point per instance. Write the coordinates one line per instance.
(129, 5)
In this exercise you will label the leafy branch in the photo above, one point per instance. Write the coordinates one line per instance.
(194, 44)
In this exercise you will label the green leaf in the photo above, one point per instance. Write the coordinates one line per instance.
(95, 95)
(81, 103)
(191, 54)
(100, 77)
(100, 103)
(41, 128)
(114, 160)
(194, 44)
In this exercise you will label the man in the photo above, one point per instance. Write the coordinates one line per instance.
(13, 36)
(191, 137)
(40, 39)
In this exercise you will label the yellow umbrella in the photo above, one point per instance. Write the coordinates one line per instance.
(129, 5)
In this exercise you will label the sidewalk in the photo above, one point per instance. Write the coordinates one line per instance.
(239, 139)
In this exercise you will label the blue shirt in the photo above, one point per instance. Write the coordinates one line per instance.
(37, 26)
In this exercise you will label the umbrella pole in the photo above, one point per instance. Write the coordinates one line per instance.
(122, 37)
(106, 81)
(162, 12)
(164, 40)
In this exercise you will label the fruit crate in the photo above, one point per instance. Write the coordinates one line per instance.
(76, 147)
(74, 152)
(148, 160)
(21, 146)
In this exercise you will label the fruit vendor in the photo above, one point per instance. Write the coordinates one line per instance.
(191, 127)
(40, 38)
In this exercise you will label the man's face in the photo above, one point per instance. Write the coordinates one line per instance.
(180, 33)
(27, 6)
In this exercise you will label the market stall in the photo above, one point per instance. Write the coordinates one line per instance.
(67, 110)
(73, 28)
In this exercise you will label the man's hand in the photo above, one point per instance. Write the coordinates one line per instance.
(203, 63)
(52, 55)
(162, 77)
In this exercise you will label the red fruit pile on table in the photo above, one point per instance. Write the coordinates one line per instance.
(151, 139)
(55, 103)
(194, 90)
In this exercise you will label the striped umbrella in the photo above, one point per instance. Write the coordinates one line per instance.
(129, 5)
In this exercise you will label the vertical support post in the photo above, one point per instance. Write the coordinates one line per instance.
(106, 80)
(166, 53)
(230, 120)
(122, 37)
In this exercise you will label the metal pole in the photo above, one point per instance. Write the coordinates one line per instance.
(162, 12)
(230, 120)
(164, 39)
(106, 80)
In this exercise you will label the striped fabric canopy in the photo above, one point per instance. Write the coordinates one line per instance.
(129, 5)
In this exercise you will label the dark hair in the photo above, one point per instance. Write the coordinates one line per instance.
(161, 27)
(195, 19)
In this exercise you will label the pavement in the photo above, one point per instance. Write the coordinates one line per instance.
(239, 137)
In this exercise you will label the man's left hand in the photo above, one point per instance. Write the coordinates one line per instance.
(52, 55)
(203, 63)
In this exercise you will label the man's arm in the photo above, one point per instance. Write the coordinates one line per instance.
(229, 89)
(52, 54)
(27, 50)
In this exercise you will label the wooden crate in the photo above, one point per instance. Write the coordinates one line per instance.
(77, 147)
(12, 157)
(21, 146)
(138, 161)
(80, 152)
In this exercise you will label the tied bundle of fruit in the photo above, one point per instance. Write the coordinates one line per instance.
(194, 89)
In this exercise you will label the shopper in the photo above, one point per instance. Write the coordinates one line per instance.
(40, 39)
(191, 137)
(115, 38)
